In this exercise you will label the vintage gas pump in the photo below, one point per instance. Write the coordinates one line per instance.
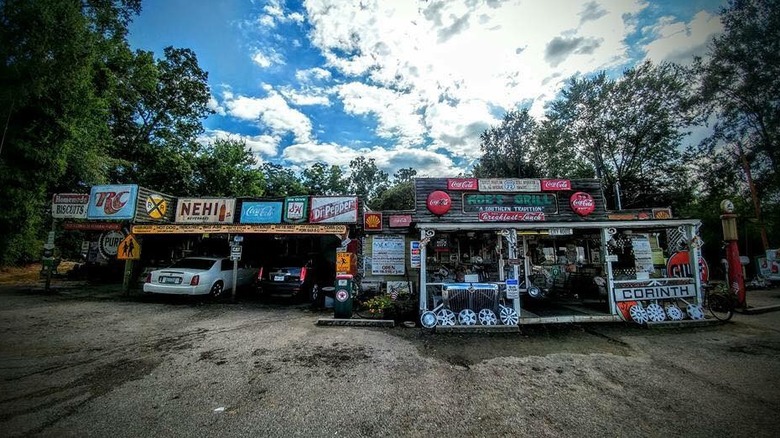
(729, 222)
(344, 294)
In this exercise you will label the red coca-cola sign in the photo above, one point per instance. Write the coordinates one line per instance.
(462, 184)
(549, 185)
(582, 203)
(439, 202)
(511, 216)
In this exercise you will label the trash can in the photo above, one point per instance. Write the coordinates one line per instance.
(342, 305)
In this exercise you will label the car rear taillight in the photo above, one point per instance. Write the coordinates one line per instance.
(195, 280)
(260, 274)
(148, 278)
(303, 274)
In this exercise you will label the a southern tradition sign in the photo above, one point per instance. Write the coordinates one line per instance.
(240, 228)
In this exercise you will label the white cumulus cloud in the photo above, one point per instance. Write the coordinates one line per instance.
(273, 113)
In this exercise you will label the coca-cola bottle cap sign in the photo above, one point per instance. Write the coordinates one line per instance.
(582, 203)
(439, 202)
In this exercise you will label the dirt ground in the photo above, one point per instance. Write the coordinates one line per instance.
(89, 361)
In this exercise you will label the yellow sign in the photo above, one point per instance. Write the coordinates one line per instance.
(129, 249)
(346, 263)
(156, 206)
(240, 229)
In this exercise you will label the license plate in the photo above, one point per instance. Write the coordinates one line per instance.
(170, 280)
(278, 277)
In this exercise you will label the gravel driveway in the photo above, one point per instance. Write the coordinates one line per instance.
(87, 361)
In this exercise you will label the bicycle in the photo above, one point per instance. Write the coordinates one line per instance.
(720, 302)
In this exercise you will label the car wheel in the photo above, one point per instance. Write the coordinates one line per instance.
(315, 295)
(217, 290)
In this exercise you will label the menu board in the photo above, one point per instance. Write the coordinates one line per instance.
(388, 256)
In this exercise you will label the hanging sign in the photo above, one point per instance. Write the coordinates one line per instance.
(205, 210)
(439, 202)
(69, 205)
(112, 202)
(582, 203)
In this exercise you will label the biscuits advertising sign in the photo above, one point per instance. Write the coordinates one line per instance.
(69, 205)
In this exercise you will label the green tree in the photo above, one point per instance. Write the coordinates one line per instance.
(157, 118)
(628, 130)
(400, 194)
(54, 102)
(404, 175)
(366, 180)
(322, 179)
(508, 149)
(226, 167)
(741, 85)
(281, 182)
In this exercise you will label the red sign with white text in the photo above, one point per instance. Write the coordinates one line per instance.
(679, 265)
(510, 216)
(400, 220)
(582, 203)
(439, 202)
(555, 184)
(462, 184)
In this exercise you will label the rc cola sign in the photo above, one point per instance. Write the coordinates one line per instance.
(112, 202)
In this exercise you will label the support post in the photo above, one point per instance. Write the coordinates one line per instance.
(127, 276)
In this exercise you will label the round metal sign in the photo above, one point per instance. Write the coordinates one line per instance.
(582, 203)
(109, 243)
(342, 295)
(439, 202)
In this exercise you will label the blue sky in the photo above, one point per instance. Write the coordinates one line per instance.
(410, 83)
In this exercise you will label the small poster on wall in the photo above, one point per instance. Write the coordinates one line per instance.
(388, 255)
(643, 256)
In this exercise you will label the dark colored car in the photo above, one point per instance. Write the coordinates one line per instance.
(300, 281)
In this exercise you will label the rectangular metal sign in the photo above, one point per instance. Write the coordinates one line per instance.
(296, 209)
(656, 292)
(334, 210)
(69, 205)
(510, 203)
(510, 185)
(112, 202)
(261, 212)
(205, 210)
